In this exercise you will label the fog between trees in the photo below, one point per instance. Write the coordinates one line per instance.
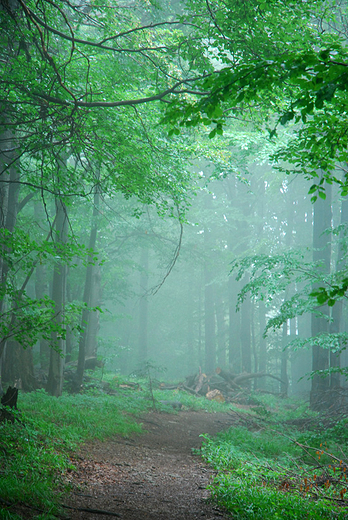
(161, 166)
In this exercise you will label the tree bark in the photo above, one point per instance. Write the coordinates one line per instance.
(336, 311)
(57, 353)
(209, 316)
(246, 332)
(87, 298)
(322, 215)
(143, 306)
(220, 327)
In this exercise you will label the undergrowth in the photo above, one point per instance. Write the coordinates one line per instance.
(268, 472)
(35, 449)
(279, 472)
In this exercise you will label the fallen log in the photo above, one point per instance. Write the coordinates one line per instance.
(228, 377)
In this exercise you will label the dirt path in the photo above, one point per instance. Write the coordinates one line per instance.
(152, 476)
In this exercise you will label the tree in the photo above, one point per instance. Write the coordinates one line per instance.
(64, 100)
(296, 71)
(320, 322)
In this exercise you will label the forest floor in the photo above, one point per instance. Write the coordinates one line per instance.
(156, 475)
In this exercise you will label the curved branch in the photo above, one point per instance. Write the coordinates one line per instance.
(100, 44)
(123, 102)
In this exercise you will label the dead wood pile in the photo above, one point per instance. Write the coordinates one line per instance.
(221, 385)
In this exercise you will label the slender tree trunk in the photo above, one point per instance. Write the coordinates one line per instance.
(190, 320)
(209, 316)
(246, 333)
(322, 252)
(284, 385)
(87, 298)
(220, 327)
(57, 353)
(93, 322)
(200, 321)
(9, 194)
(262, 343)
(336, 313)
(143, 306)
(234, 326)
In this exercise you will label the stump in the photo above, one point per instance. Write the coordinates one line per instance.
(9, 399)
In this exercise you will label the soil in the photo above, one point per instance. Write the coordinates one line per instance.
(156, 475)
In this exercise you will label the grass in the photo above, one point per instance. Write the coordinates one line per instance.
(277, 472)
(270, 472)
(35, 451)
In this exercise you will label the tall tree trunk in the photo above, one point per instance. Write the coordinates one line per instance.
(234, 328)
(41, 290)
(9, 194)
(18, 367)
(262, 344)
(143, 306)
(87, 297)
(336, 313)
(57, 353)
(284, 385)
(220, 327)
(321, 252)
(246, 332)
(93, 322)
(209, 316)
(190, 320)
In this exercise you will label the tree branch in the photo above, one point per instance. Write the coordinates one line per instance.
(123, 102)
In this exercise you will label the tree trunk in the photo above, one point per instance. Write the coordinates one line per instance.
(93, 322)
(143, 306)
(18, 368)
(190, 320)
(220, 327)
(246, 332)
(57, 353)
(321, 252)
(284, 385)
(87, 298)
(209, 317)
(336, 311)
(234, 332)
(262, 343)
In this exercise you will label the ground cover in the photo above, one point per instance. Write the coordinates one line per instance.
(36, 451)
(270, 459)
(268, 468)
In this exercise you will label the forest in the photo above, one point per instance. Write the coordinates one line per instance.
(174, 242)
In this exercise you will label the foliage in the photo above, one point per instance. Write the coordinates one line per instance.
(272, 275)
(265, 473)
(297, 72)
(35, 450)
